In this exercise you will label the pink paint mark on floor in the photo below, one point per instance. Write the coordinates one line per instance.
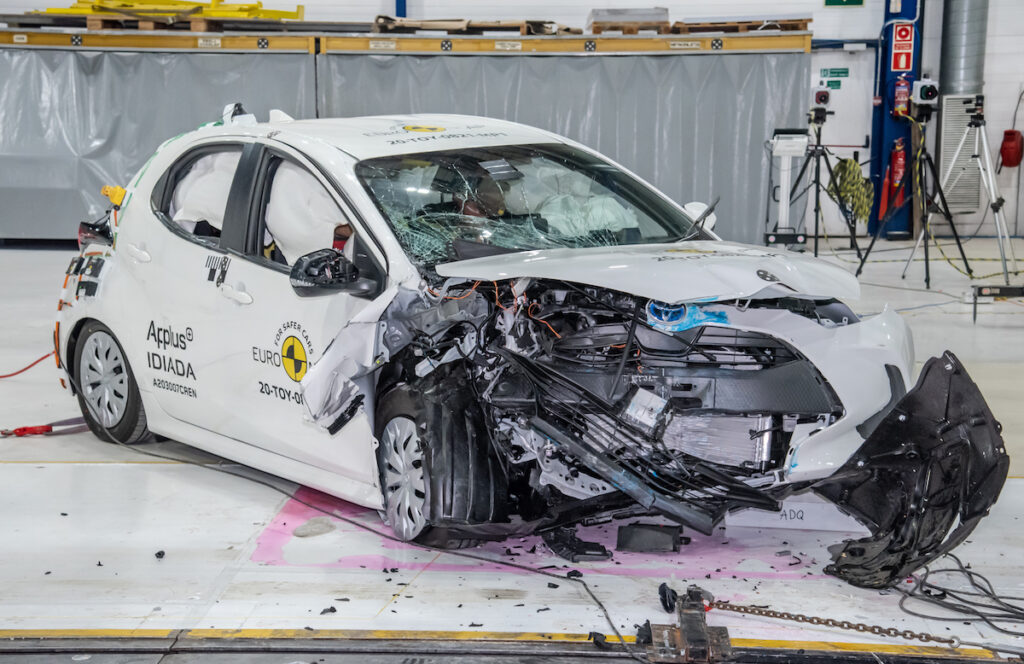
(753, 558)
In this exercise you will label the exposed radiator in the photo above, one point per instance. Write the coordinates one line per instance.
(731, 440)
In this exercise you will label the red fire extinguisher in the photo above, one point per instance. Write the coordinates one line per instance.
(894, 174)
(898, 159)
(1012, 148)
(901, 97)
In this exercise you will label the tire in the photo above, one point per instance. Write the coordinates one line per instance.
(104, 381)
(439, 475)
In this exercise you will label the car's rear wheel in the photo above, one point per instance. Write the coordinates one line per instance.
(107, 392)
(439, 475)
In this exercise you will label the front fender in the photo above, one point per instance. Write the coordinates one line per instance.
(923, 479)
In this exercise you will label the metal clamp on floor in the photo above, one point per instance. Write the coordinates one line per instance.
(691, 640)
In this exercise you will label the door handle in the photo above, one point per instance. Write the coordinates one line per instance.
(239, 296)
(138, 253)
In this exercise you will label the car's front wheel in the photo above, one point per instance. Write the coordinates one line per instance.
(107, 392)
(439, 475)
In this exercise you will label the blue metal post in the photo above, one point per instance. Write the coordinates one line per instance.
(400, 9)
(885, 128)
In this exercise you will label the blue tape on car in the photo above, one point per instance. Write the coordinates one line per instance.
(679, 317)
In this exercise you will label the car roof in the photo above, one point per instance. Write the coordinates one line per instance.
(384, 135)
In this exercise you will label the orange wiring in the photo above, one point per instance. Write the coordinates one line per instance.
(529, 312)
(456, 297)
(500, 305)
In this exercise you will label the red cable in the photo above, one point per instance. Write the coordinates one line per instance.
(28, 367)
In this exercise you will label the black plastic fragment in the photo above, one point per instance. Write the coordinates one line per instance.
(922, 481)
(649, 538)
(564, 543)
(600, 642)
(345, 415)
(668, 597)
(643, 634)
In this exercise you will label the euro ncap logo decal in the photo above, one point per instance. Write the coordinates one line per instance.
(293, 358)
(422, 128)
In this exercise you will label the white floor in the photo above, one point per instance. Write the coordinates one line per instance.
(83, 520)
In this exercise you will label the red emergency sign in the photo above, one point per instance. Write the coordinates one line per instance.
(902, 47)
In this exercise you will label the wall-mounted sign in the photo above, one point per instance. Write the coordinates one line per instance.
(835, 72)
(902, 47)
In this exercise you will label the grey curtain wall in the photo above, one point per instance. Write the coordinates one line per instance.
(694, 126)
(73, 121)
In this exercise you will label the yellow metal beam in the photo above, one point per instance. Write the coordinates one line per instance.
(595, 45)
(162, 8)
(133, 39)
(465, 635)
(412, 44)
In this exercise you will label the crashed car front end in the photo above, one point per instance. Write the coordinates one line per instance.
(686, 378)
(596, 406)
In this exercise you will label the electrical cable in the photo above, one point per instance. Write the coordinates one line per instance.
(24, 369)
(640, 657)
(983, 603)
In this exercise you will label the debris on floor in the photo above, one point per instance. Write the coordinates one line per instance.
(650, 538)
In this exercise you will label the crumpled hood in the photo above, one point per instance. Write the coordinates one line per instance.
(681, 272)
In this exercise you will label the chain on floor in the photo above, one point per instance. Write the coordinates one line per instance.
(877, 630)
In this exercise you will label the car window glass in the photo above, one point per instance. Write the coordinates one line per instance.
(199, 199)
(299, 215)
(516, 197)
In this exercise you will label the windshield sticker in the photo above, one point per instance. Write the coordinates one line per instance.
(433, 137)
(399, 130)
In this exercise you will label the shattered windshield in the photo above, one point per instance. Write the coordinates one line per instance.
(465, 203)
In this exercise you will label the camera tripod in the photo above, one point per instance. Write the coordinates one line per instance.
(936, 202)
(818, 153)
(982, 158)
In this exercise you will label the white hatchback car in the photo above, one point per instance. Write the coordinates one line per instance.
(483, 329)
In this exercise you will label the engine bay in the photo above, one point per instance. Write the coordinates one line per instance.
(592, 392)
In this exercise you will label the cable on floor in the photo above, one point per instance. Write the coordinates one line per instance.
(24, 369)
(630, 652)
(979, 601)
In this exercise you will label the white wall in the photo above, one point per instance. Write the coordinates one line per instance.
(1004, 81)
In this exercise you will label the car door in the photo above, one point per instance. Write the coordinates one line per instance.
(176, 266)
(272, 335)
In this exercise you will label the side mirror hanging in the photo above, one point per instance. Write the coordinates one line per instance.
(326, 271)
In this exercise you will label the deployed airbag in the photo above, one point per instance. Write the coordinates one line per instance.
(202, 195)
(301, 215)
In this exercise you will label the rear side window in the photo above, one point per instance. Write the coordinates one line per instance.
(196, 192)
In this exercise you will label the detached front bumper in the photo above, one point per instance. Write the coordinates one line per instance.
(923, 479)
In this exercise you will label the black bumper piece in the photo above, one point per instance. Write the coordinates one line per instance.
(922, 481)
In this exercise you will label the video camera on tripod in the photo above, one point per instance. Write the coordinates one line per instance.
(817, 115)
